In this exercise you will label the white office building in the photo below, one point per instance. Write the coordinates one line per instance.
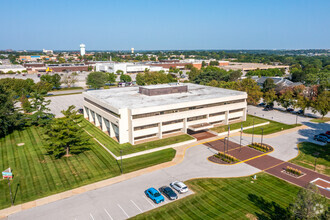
(127, 68)
(132, 114)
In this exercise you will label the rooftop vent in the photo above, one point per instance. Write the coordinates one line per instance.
(163, 89)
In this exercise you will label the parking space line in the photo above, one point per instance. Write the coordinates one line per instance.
(91, 216)
(123, 210)
(137, 206)
(149, 202)
(108, 214)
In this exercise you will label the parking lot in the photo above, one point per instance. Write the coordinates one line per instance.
(59, 103)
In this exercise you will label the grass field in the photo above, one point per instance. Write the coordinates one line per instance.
(320, 120)
(37, 174)
(232, 198)
(127, 148)
(248, 122)
(272, 127)
(306, 157)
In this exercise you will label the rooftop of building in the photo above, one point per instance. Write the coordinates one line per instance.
(129, 97)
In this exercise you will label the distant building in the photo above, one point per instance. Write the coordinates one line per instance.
(132, 114)
(127, 68)
(47, 51)
(33, 58)
(13, 68)
(278, 81)
(82, 49)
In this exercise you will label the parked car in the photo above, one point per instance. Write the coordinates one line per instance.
(290, 110)
(321, 138)
(154, 195)
(268, 108)
(168, 192)
(261, 104)
(325, 135)
(179, 186)
(300, 112)
(328, 132)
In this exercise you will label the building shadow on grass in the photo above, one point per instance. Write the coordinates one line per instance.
(270, 210)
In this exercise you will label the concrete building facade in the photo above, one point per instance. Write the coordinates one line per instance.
(136, 113)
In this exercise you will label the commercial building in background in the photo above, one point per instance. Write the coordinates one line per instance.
(33, 58)
(11, 68)
(132, 114)
(47, 51)
(127, 68)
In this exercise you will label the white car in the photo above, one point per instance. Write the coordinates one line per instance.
(179, 186)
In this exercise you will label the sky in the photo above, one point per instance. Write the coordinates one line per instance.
(164, 24)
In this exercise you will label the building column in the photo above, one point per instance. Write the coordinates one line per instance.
(160, 132)
(91, 118)
(244, 114)
(97, 120)
(104, 126)
(226, 117)
(111, 130)
(185, 127)
(86, 110)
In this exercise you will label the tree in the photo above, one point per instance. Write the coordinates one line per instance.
(56, 81)
(322, 103)
(41, 113)
(125, 78)
(214, 63)
(234, 75)
(119, 72)
(96, 79)
(270, 97)
(188, 66)
(252, 89)
(268, 85)
(70, 79)
(42, 87)
(302, 102)
(10, 118)
(309, 204)
(111, 77)
(65, 136)
(194, 72)
(286, 99)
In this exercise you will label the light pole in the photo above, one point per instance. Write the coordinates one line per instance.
(240, 139)
(262, 135)
(121, 161)
(296, 120)
(224, 145)
(252, 130)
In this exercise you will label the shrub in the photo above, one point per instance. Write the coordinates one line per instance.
(260, 147)
(293, 171)
(226, 157)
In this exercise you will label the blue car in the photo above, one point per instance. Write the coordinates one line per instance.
(154, 195)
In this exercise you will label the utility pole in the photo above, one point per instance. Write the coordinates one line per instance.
(228, 137)
(296, 119)
(262, 135)
(224, 145)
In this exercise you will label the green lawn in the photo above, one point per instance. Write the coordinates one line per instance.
(37, 174)
(320, 120)
(306, 157)
(127, 148)
(230, 198)
(248, 122)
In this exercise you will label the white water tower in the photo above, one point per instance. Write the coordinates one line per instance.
(132, 50)
(82, 49)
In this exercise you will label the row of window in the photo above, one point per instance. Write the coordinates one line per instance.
(145, 127)
(186, 109)
(103, 108)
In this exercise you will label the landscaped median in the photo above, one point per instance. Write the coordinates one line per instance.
(128, 148)
(268, 126)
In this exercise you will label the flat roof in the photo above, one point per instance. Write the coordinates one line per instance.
(129, 97)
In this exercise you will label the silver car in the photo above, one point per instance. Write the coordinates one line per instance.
(179, 186)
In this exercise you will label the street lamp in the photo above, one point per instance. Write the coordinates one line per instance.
(253, 130)
(121, 161)
(240, 139)
(224, 145)
(262, 135)
(296, 120)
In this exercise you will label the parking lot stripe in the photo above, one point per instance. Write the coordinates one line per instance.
(123, 210)
(149, 202)
(108, 214)
(137, 206)
(91, 216)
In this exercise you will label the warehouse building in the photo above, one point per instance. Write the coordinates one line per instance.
(132, 114)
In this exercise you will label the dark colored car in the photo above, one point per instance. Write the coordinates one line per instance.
(325, 135)
(261, 104)
(321, 138)
(168, 192)
(290, 110)
(300, 112)
(328, 132)
(268, 108)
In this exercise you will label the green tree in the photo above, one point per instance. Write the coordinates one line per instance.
(269, 97)
(41, 113)
(252, 89)
(268, 85)
(25, 103)
(9, 116)
(125, 78)
(286, 98)
(65, 136)
(96, 79)
(214, 63)
(234, 75)
(111, 77)
(302, 102)
(194, 72)
(140, 79)
(322, 103)
(309, 204)
(56, 81)
(42, 87)
(119, 72)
